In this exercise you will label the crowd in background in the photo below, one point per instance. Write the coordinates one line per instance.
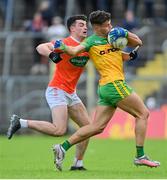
(44, 21)
(51, 8)
(48, 17)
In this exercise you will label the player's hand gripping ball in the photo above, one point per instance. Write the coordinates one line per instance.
(118, 37)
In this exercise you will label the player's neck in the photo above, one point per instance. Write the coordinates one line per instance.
(98, 33)
(76, 38)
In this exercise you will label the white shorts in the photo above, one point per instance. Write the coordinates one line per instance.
(57, 97)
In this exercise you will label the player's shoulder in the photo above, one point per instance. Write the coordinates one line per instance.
(66, 39)
(96, 40)
(69, 41)
(92, 37)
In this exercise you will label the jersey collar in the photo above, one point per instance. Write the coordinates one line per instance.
(75, 39)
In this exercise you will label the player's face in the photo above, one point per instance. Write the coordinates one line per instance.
(80, 28)
(105, 28)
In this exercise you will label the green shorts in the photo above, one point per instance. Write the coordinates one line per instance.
(110, 94)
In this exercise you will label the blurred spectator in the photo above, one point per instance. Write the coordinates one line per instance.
(29, 7)
(3, 7)
(57, 30)
(37, 25)
(86, 7)
(93, 4)
(149, 17)
(151, 12)
(165, 2)
(1, 21)
(82, 6)
(131, 5)
(58, 7)
(46, 12)
(105, 5)
(149, 8)
(131, 24)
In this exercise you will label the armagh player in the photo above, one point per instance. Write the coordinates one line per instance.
(61, 92)
(113, 91)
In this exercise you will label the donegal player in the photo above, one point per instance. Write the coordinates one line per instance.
(113, 91)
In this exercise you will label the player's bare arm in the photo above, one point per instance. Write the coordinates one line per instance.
(45, 49)
(133, 40)
(132, 55)
(73, 51)
(125, 56)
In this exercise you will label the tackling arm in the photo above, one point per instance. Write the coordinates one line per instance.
(73, 51)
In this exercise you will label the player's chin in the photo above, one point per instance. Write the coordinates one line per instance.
(84, 35)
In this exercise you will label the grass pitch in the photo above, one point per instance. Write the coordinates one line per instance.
(31, 157)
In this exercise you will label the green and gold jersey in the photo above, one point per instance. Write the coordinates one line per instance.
(107, 59)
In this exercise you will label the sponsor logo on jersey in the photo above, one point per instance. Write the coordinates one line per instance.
(108, 51)
(79, 61)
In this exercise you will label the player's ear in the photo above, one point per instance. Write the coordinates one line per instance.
(72, 28)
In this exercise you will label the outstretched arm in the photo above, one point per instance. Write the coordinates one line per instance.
(73, 51)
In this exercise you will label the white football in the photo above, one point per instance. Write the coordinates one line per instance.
(120, 43)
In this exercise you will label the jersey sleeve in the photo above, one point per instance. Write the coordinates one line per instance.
(87, 44)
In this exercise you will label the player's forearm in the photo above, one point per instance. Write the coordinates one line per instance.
(125, 56)
(131, 55)
(44, 49)
(133, 40)
(73, 51)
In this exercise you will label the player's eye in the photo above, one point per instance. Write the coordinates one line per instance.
(81, 25)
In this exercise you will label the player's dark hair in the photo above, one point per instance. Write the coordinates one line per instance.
(72, 20)
(99, 17)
